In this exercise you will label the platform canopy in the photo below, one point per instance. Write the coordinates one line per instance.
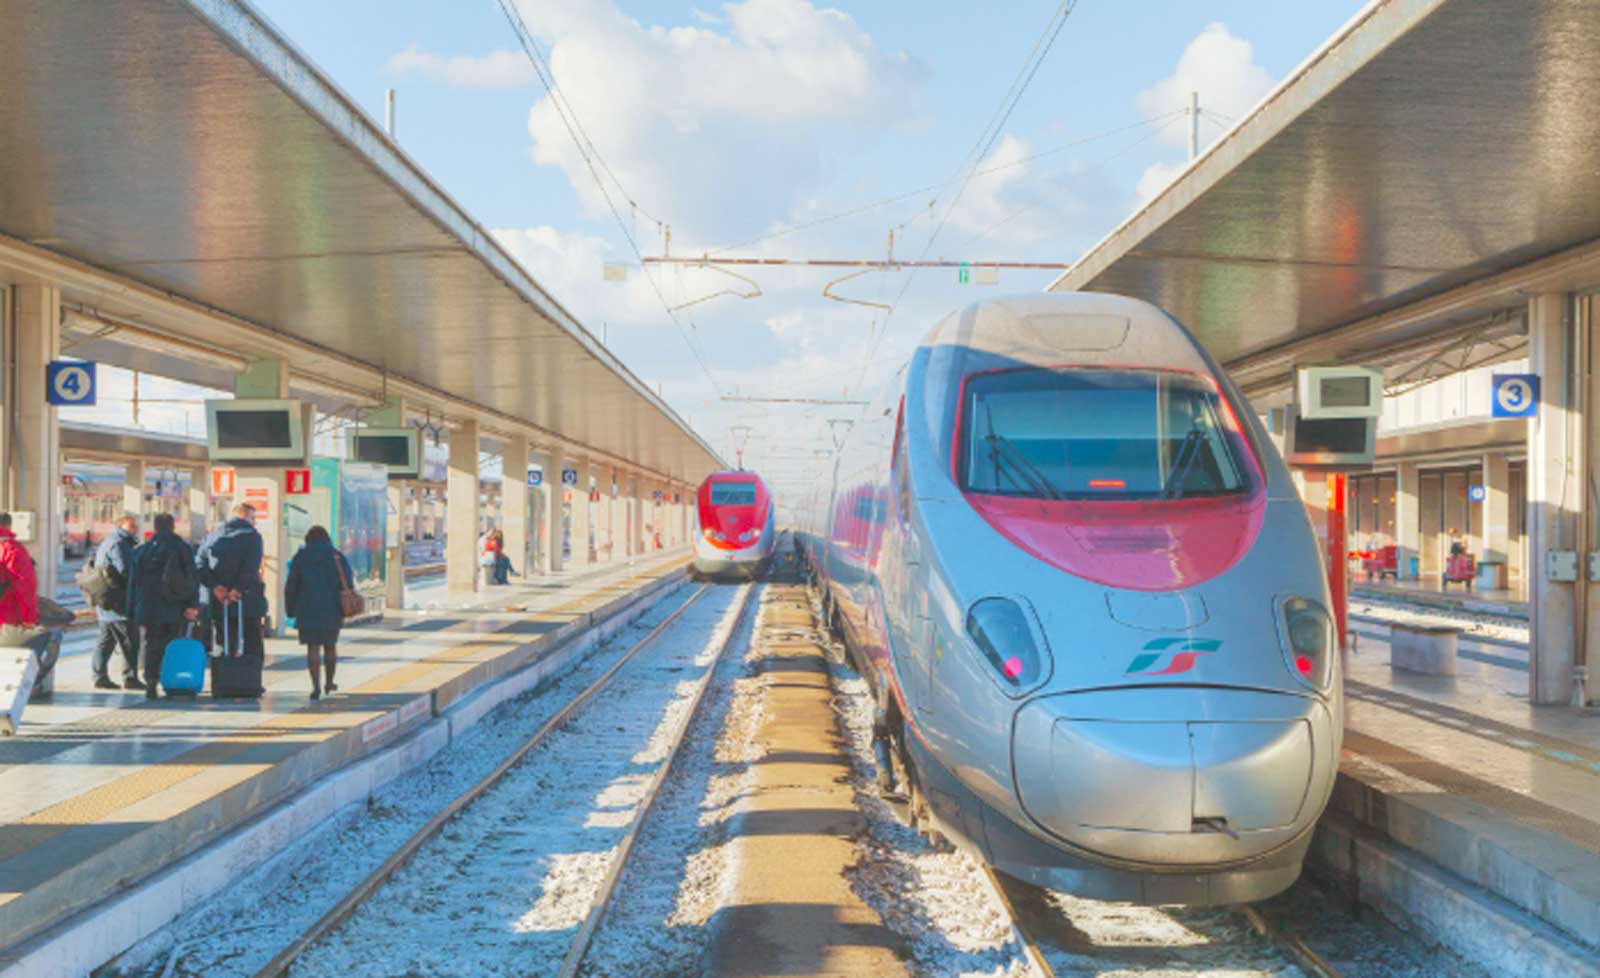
(184, 146)
(1392, 201)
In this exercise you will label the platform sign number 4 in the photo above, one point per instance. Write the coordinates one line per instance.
(69, 383)
(1515, 395)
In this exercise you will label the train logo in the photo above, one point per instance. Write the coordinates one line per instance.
(1184, 653)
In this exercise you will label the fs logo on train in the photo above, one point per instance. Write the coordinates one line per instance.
(1170, 656)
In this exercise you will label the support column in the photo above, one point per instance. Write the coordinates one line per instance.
(133, 493)
(635, 516)
(1407, 519)
(580, 513)
(1495, 540)
(33, 463)
(550, 509)
(461, 511)
(514, 501)
(200, 499)
(1554, 460)
(605, 539)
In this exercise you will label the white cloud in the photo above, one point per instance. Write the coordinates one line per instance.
(1156, 177)
(707, 125)
(498, 69)
(1222, 68)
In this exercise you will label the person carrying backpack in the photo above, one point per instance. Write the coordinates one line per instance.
(162, 595)
(318, 575)
(112, 562)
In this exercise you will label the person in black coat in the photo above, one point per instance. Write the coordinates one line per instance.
(229, 565)
(317, 574)
(161, 595)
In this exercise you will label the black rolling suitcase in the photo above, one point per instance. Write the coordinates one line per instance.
(235, 669)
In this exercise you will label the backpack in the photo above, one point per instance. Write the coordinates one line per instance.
(178, 581)
(97, 583)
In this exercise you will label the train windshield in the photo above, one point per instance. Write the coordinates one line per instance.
(1099, 434)
(733, 494)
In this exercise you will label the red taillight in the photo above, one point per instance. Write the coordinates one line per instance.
(1304, 664)
(1012, 668)
(1108, 484)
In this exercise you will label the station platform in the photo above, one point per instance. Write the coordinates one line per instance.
(1510, 603)
(101, 789)
(1460, 774)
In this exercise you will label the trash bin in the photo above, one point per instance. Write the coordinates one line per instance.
(1492, 575)
(1412, 569)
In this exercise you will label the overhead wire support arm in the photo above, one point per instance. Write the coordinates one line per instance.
(708, 265)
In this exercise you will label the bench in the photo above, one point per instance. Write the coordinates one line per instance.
(1426, 649)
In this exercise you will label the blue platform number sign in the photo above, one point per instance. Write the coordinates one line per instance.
(535, 478)
(1477, 493)
(69, 383)
(569, 477)
(1516, 395)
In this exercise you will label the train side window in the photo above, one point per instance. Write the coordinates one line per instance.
(901, 468)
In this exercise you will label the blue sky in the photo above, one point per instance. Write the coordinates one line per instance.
(731, 120)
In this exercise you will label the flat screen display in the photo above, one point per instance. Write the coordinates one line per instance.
(247, 429)
(1346, 392)
(1330, 436)
(391, 450)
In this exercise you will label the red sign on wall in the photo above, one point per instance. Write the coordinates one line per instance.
(222, 482)
(296, 482)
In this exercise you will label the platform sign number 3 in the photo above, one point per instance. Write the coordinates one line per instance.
(69, 383)
(1516, 395)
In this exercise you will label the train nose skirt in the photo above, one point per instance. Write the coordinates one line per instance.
(1188, 790)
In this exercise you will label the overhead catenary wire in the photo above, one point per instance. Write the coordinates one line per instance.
(594, 162)
(986, 140)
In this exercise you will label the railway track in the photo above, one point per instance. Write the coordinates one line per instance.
(1038, 926)
(572, 714)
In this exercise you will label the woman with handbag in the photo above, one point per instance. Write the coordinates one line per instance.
(318, 596)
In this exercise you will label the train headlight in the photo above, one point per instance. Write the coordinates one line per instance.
(1005, 635)
(1310, 641)
(712, 534)
(749, 536)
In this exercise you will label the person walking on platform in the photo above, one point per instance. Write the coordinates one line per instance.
(229, 563)
(317, 575)
(495, 559)
(19, 583)
(115, 555)
(161, 595)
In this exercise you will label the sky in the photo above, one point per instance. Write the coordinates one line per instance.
(734, 123)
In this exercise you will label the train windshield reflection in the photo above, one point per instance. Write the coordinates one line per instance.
(1098, 434)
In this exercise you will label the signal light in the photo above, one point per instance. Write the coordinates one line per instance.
(1304, 664)
(1108, 484)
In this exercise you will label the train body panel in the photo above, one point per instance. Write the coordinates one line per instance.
(1070, 561)
(734, 525)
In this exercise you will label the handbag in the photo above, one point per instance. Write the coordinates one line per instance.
(351, 603)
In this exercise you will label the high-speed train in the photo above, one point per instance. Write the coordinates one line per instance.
(734, 531)
(1089, 603)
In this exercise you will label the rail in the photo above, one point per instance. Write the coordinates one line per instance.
(285, 959)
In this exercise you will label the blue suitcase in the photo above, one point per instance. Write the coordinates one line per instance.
(183, 666)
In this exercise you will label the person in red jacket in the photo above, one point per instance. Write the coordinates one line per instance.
(19, 604)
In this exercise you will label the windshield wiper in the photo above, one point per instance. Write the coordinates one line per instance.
(1187, 453)
(1017, 461)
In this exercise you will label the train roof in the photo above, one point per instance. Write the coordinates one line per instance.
(1090, 328)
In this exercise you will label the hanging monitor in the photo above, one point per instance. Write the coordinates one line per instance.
(1329, 443)
(1339, 392)
(250, 430)
(398, 449)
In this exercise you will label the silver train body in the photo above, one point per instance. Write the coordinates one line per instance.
(1135, 697)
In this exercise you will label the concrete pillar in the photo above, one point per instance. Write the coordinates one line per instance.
(394, 553)
(1495, 533)
(514, 501)
(1554, 461)
(550, 464)
(267, 378)
(461, 510)
(32, 465)
(604, 524)
(200, 499)
(133, 493)
(581, 509)
(635, 516)
(1407, 518)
